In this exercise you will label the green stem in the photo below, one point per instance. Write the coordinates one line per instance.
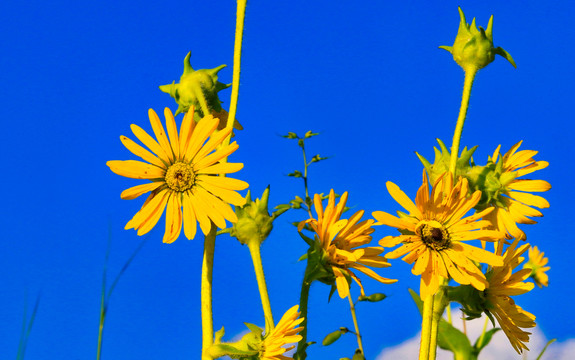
(468, 84)
(308, 200)
(206, 292)
(355, 324)
(254, 247)
(439, 304)
(426, 328)
(304, 296)
(240, 16)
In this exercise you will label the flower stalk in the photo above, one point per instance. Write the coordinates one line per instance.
(355, 324)
(206, 293)
(470, 73)
(255, 252)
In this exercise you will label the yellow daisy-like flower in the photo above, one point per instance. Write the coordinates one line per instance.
(183, 169)
(340, 239)
(502, 284)
(536, 263)
(284, 333)
(434, 234)
(515, 202)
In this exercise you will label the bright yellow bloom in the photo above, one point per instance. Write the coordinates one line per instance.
(434, 231)
(502, 284)
(537, 263)
(183, 170)
(284, 333)
(514, 203)
(340, 239)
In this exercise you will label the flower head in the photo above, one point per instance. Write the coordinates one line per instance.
(434, 231)
(511, 197)
(473, 48)
(284, 333)
(537, 263)
(183, 169)
(339, 240)
(503, 284)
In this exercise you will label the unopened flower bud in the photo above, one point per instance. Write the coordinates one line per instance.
(473, 48)
(254, 221)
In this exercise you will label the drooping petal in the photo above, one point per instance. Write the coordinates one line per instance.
(135, 169)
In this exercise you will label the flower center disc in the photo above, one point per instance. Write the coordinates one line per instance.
(433, 234)
(180, 177)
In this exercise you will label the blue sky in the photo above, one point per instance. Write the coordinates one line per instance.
(369, 77)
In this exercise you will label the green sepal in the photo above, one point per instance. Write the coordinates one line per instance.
(504, 54)
(442, 160)
(310, 134)
(219, 335)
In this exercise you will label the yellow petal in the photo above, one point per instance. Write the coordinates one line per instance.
(529, 199)
(223, 182)
(222, 168)
(403, 199)
(190, 225)
(172, 132)
(530, 185)
(341, 283)
(135, 169)
(214, 157)
(215, 140)
(229, 196)
(201, 215)
(141, 152)
(160, 133)
(150, 213)
(186, 131)
(147, 140)
(204, 128)
(173, 219)
(390, 220)
(134, 192)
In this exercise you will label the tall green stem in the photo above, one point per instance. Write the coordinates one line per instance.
(468, 84)
(426, 328)
(355, 324)
(303, 299)
(254, 247)
(240, 16)
(206, 292)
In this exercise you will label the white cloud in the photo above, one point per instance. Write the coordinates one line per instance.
(498, 349)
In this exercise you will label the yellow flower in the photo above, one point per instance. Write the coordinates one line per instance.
(183, 170)
(536, 264)
(340, 239)
(284, 333)
(434, 232)
(514, 203)
(502, 284)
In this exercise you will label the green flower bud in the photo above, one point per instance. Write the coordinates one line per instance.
(492, 181)
(473, 48)
(441, 163)
(198, 89)
(472, 300)
(254, 221)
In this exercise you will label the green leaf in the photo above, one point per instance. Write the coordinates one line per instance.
(331, 338)
(373, 297)
(310, 134)
(296, 174)
(482, 341)
(290, 135)
(545, 348)
(317, 158)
